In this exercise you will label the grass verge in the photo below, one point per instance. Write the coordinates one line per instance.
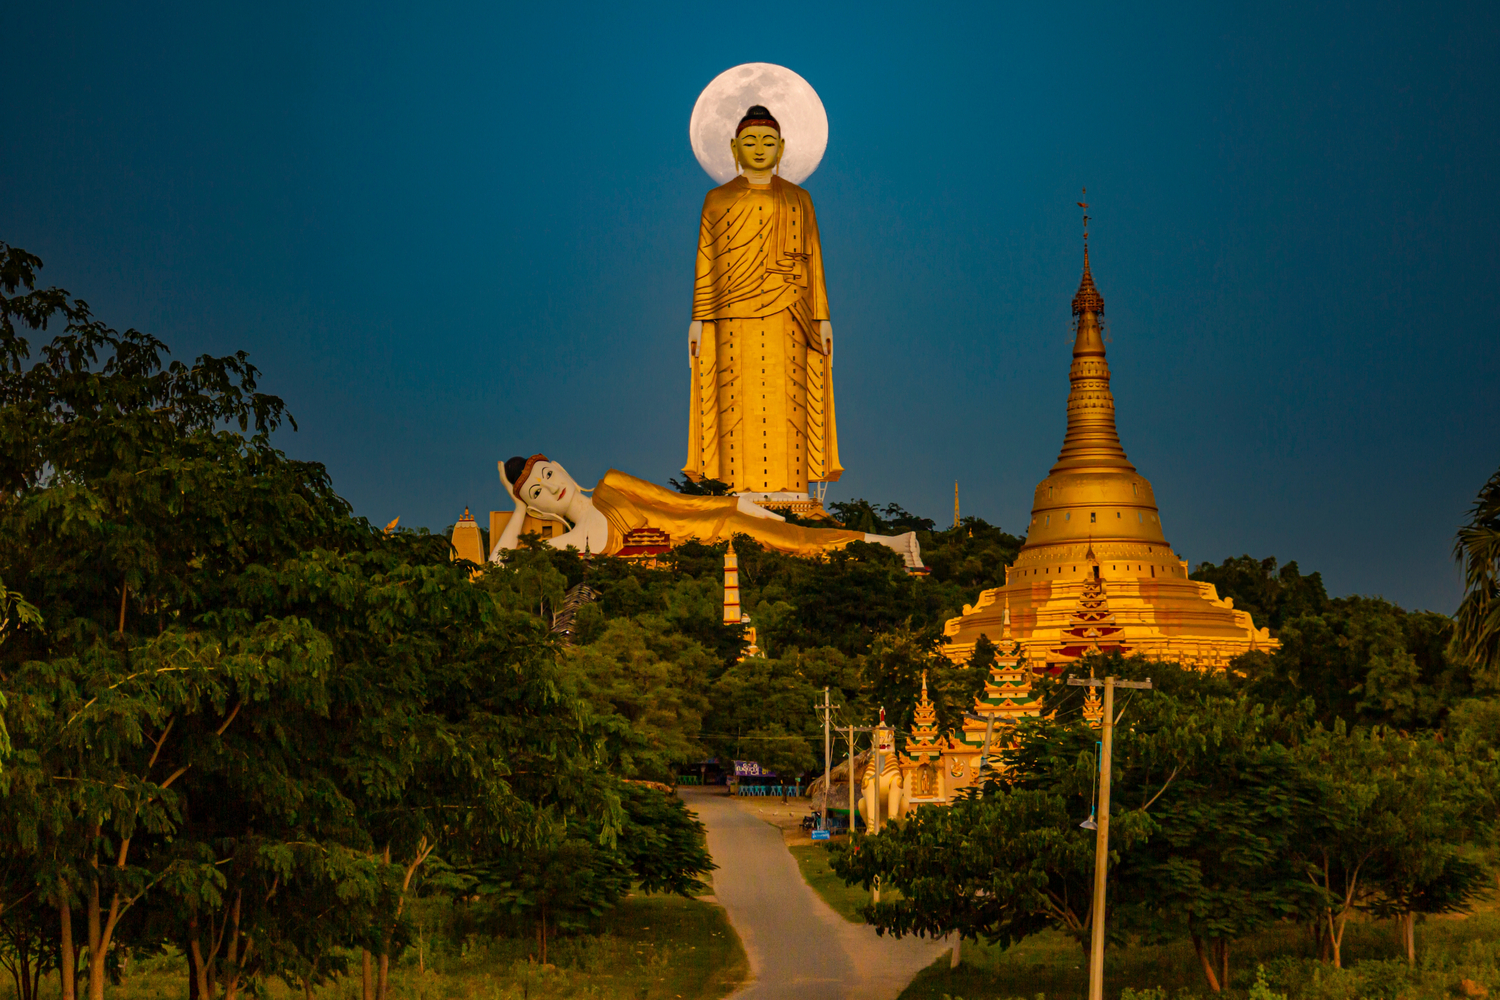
(812, 861)
(1054, 967)
(647, 947)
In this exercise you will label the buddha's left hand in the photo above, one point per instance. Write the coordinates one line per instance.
(825, 328)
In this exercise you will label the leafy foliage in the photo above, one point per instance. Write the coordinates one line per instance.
(239, 719)
(1476, 639)
(1271, 596)
(1226, 817)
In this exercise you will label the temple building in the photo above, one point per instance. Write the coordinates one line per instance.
(935, 768)
(466, 541)
(1096, 573)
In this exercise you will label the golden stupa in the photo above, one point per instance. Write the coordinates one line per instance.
(1096, 573)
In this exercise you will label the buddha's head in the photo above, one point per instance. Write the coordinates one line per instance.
(540, 485)
(757, 142)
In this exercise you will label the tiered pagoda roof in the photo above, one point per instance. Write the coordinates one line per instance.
(1091, 629)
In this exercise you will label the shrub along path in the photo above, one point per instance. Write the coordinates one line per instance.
(797, 946)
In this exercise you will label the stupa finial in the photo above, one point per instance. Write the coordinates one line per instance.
(1087, 298)
(1091, 440)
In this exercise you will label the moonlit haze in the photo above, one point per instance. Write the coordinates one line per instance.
(452, 235)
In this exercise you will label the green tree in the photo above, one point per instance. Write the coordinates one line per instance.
(968, 558)
(701, 487)
(843, 601)
(891, 519)
(1272, 596)
(251, 717)
(893, 672)
(1365, 661)
(1231, 795)
(762, 710)
(581, 868)
(1477, 548)
(654, 678)
(1387, 813)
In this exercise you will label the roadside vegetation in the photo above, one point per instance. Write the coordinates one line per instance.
(245, 733)
(1280, 962)
(656, 947)
(847, 900)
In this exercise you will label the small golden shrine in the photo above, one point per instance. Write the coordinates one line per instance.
(1007, 695)
(1096, 572)
(935, 768)
(922, 764)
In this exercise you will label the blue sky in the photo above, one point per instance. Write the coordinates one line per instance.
(456, 233)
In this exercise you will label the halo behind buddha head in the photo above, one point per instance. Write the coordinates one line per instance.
(800, 117)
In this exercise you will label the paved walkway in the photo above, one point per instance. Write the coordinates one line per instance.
(798, 947)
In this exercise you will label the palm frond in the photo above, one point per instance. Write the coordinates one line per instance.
(1476, 636)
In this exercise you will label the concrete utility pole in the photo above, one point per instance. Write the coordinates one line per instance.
(989, 731)
(875, 790)
(1101, 836)
(874, 825)
(851, 781)
(875, 783)
(827, 759)
(875, 757)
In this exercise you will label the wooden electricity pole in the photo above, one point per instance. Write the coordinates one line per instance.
(1101, 835)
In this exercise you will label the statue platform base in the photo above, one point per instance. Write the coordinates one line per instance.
(800, 504)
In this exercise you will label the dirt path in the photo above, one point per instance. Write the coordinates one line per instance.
(797, 946)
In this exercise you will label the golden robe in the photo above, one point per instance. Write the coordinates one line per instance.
(761, 416)
(629, 503)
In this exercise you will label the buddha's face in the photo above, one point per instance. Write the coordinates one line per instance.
(548, 489)
(759, 147)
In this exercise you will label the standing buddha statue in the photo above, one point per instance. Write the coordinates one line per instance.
(760, 342)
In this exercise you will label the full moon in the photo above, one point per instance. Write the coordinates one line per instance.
(791, 101)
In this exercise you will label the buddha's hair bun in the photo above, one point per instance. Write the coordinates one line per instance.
(757, 115)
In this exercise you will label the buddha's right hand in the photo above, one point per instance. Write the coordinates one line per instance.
(695, 335)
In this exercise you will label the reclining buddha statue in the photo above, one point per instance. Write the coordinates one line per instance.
(622, 504)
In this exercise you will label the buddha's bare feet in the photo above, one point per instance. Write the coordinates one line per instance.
(748, 506)
(906, 545)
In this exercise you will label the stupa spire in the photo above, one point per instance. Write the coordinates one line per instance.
(1091, 440)
(732, 611)
(1087, 298)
